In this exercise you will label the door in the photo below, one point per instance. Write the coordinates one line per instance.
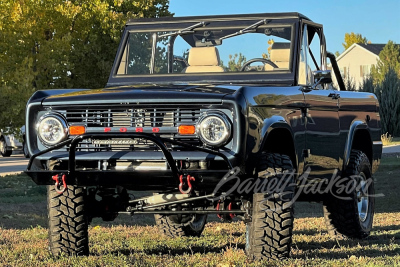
(322, 152)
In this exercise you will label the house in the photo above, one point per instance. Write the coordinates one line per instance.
(357, 60)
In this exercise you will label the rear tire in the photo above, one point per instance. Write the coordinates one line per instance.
(68, 223)
(269, 234)
(3, 148)
(172, 229)
(354, 217)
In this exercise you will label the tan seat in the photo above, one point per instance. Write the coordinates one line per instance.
(203, 59)
(280, 55)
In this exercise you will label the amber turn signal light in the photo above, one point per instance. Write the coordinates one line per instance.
(187, 129)
(77, 130)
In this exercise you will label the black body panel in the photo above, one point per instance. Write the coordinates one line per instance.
(266, 110)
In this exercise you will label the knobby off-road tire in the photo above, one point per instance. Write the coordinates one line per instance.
(269, 234)
(353, 218)
(172, 229)
(68, 223)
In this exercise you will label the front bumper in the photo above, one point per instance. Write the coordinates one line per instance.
(137, 179)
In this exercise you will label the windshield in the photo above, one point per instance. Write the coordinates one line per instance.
(261, 46)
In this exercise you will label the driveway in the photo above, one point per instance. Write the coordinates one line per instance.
(391, 149)
(13, 165)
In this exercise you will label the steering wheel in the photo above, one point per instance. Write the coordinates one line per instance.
(181, 60)
(263, 60)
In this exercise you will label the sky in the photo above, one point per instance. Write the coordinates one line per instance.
(377, 20)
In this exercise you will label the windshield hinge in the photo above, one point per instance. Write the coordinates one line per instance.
(185, 30)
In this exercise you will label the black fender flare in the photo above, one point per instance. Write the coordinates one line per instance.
(277, 123)
(354, 127)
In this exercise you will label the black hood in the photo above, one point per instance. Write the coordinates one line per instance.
(143, 94)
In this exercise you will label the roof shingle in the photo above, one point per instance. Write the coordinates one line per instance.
(374, 48)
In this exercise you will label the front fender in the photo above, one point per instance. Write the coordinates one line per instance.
(280, 142)
(354, 127)
(273, 123)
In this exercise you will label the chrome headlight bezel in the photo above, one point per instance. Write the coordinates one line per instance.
(227, 125)
(62, 124)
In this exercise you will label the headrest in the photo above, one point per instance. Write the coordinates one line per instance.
(280, 52)
(203, 56)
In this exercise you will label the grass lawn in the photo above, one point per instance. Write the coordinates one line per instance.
(136, 242)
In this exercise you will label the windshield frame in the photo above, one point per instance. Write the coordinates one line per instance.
(286, 76)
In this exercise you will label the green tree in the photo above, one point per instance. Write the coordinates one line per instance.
(388, 93)
(236, 62)
(384, 81)
(270, 43)
(389, 58)
(349, 83)
(60, 44)
(353, 38)
(367, 85)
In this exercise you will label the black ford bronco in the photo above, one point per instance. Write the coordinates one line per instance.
(233, 115)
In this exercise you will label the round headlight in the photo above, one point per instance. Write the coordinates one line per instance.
(214, 129)
(51, 129)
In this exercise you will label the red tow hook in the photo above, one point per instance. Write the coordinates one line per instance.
(189, 184)
(231, 215)
(221, 206)
(217, 208)
(60, 178)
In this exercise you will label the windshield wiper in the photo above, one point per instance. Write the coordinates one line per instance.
(251, 28)
(185, 30)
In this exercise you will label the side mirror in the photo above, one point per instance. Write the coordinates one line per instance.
(322, 76)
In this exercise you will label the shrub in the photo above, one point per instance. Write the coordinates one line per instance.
(386, 139)
(388, 93)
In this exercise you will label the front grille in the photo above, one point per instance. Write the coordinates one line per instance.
(133, 117)
(138, 116)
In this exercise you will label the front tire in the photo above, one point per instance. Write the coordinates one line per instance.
(68, 223)
(269, 234)
(353, 217)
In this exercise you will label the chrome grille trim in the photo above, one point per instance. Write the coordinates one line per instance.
(133, 117)
(167, 118)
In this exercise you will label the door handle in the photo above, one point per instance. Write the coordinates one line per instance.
(334, 95)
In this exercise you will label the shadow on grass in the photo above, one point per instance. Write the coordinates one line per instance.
(325, 250)
(386, 228)
(178, 251)
(359, 247)
(375, 229)
(307, 232)
(364, 252)
(370, 252)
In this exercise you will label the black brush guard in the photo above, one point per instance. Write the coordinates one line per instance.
(142, 180)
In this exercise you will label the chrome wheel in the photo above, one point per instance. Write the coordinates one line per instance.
(353, 217)
(362, 198)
